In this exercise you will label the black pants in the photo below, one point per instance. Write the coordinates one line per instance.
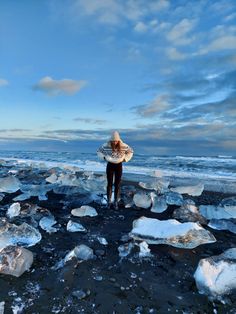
(113, 170)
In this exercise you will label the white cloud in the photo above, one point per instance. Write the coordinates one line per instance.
(3, 82)
(90, 121)
(174, 54)
(55, 87)
(178, 33)
(114, 12)
(140, 27)
(221, 43)
(155, 107)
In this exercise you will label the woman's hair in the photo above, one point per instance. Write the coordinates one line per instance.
(115, 146)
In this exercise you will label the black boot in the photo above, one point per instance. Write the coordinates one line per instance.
(117, 197)
(109, 194)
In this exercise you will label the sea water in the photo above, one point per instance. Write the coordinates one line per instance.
(218, 173)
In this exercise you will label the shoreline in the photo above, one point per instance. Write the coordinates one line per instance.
(160, 284)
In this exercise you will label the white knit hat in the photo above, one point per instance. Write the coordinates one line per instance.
(115, 136)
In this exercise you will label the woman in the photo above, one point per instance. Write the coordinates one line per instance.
(114, 152)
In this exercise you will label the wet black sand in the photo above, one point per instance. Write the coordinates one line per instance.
(162, 284)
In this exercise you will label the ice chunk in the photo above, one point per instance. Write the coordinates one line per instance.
(9, 184)
(158, 203)
(15, 260)
(194, 190)
(217, 212)
(184, 235)
(22, 197)
(81, 252)
(52, 178)
(2, 305)
(13, 210)
(24, 235)
(142, 200)
(125, 249)
(84, 210)
(189, 212)
(75, 227)
(144, 249)
(223, 224)
(174, 198)
(160, 186)
(47, 223)
(216, 275)
(102, 241)
(37, 190)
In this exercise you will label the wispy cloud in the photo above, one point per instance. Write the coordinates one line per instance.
(155, 107)
(3, 82)
(179, 34)
(114, 13)
(91, 121)
(56, 87)
(174, 54)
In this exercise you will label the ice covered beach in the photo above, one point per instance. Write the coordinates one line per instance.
(62, 251)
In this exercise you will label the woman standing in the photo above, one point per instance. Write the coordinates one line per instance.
(114, 152)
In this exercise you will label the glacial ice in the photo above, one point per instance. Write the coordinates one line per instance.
(1, 196)
(2, 305)
(102, 241)
(144, 249)
(125, 249)
(47, 223)
(15, 260)
(188, 212)
(216, 275)
(24, 235)
(36, 190)
(84, 210)
(194, 190)
(183, 235)
(158, 203)
(223, 224)
(217, 212)
(9, 184)
(75, 227)
(52, 178)
(174, 198)
(22, 197)
(81, 252)
(159, 185)
(142, 200)
(13, 210)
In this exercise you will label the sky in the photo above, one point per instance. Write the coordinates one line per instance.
(161, 72)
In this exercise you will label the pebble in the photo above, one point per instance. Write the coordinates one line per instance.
(112, 279)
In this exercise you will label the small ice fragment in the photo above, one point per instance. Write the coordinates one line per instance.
(46, 223)
(194, 190)
(75, 227)
(173, 198)
(82, 252)
(158, 203)
(2, 305)
(125, 249)
(15, 260)
(102, 240)
(52, 178)
(9, 184)
(144, 249)
(142, 200)
(84, 210)
(13, 210)
(223, 224)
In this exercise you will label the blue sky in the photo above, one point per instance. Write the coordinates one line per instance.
(162, 72)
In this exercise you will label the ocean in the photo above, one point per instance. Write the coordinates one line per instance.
(218, 173)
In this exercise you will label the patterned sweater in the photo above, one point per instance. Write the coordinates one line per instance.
(105, 152)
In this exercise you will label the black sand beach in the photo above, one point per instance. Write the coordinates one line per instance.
(163, 283)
